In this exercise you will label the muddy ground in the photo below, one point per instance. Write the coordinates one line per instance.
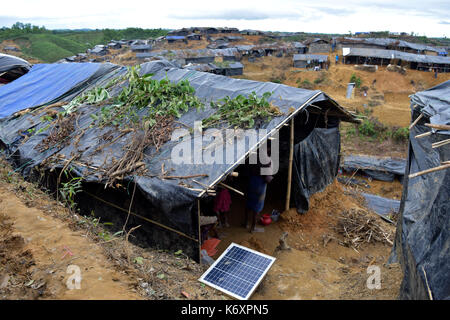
(39, 239)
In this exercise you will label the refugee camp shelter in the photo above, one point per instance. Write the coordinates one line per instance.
(309, 61)
(194, 36)
(141, 48)
(422, 241)
(114, 45)
(99, 50)
(385, 57)
(173, 39)
(229, 69)
(299, 47)
(12, 67)
(11, 48)
(169, 196)
(318, 45)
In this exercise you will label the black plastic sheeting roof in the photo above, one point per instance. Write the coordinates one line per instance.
(435, 104)
(395, 42)
(393, 54)
(208, 87)
(8, 62)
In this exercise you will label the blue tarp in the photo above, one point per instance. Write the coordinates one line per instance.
(44, 83)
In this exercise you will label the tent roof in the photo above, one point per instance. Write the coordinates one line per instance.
(46, 83)
(208, 87)
(435, 103)
(8, 62)
(393, 54)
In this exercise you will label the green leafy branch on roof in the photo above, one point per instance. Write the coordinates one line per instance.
(242, 112)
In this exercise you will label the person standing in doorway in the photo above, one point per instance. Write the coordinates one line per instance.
(256, 195)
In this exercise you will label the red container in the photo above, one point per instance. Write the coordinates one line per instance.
(266, 219)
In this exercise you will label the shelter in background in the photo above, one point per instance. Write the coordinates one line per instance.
(141, 48)
(12, 67)
(385, 57)
(422, 241)
(99, 50)
(299, 47)
(11, 48)
(167, 208)
(114, 45)
(310, 61)
(173, 39)
(194, 36)
(318, 45)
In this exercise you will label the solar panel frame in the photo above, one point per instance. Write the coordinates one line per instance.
(220, 260)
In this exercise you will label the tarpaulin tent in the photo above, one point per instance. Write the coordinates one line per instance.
(12, 67)
(49, 83)
(168, 209)
(422, 243)
(417, 60)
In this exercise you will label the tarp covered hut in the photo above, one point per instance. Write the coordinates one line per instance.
(12, 67)
(168, 208)
(385, 57)
(309, 60)
(422, 242)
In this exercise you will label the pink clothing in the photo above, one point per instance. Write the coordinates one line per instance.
(222, 201)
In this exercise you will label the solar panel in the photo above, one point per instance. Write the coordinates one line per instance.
(238, 271)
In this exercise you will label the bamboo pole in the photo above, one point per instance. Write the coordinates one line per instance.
(291, 157)
(231, 188)
(440, 143)
(415, 121)
(438, 168)
(438, 126)
(141, 217)
(423, 135)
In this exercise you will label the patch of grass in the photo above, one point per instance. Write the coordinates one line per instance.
(401, 135)
(356, 80)
(306, 84)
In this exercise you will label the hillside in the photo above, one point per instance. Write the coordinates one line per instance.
(50, 46)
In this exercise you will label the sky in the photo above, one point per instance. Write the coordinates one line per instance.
(423, 17)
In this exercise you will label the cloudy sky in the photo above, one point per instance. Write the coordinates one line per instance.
(424, 17)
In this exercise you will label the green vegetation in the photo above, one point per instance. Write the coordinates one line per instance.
(374, 129)
(69, 189)
(242, 112)
(356, 80)
(52, 45)
(162, 97)
(305, 84)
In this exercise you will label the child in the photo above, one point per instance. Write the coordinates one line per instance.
(222, 203)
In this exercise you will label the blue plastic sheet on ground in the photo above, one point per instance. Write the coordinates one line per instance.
(381, 205)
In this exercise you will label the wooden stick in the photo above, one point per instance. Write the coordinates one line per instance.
(185, 177)
(426, 282)
(291, 157)
(415, 121)
(438, 168)
(440, 143)
(438, 126)
(231, 188)
(141, 217)
(426, 134)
